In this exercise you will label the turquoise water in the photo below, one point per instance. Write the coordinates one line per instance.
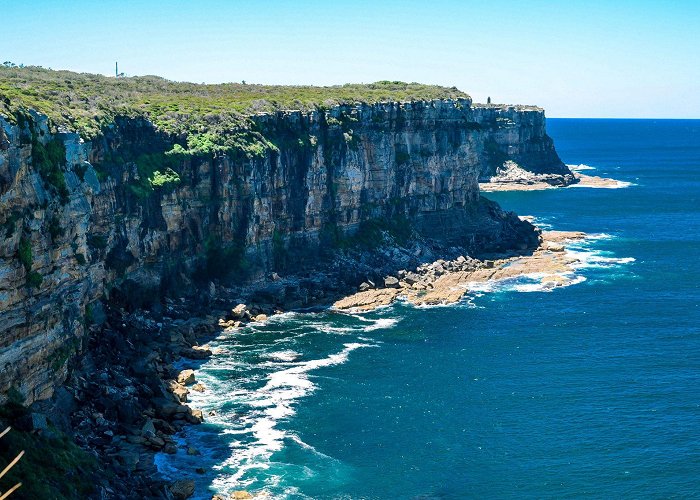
(586, 391)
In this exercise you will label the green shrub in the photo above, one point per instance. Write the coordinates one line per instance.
(221, 261)
(25, 253)
(155, 171)
(53, 466)
(169, 178)
(402, 157)
(49, 160)
(279, 251)
(34, 279)
(63, 353)
(371, 233)
(89, 314)
(80, 171)
(97, 241)
(11, 224)
(55, 229)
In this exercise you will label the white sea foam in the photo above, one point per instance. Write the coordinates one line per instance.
(285, 356)
(599, 236)
(579, 167)
(548, 286)
(381, 323)
(595, 259)
(249, 410)
(255, 436)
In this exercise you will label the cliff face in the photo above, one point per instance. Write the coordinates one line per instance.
(81, 223)
(517, 133)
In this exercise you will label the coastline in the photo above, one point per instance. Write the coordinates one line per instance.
(446, 282)
(516, 180)
(440, 282)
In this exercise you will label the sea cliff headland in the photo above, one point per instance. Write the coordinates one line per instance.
(131, 205)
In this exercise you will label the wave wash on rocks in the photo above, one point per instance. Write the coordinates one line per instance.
(131, 214)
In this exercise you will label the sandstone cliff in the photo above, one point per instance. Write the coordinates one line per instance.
(83, 221)
(518, 134)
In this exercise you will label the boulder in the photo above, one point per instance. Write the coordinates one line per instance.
(411, 278)
(135, 439)
(198, 388)
(182, 489)
(170, 409)
(156, 442)
(164, 426)
(130, 459)
(241, 495)
(192, 451)
(239, 312)
(391, 282)
(186, 377)
(261, 317)
(195, 353)
(195, 417)
(180, 392)
(148, 429)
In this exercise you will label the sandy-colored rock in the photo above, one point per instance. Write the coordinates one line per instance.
(535, 182)
(369, 299)
(178, 390)
(186, 377)
(241, 495)
(446, 287)
(239, 312)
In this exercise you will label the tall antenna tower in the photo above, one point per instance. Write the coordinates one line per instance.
(116, 70)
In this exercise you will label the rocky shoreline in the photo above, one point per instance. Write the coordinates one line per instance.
(125, 400)
(446, 282)
(511, 177)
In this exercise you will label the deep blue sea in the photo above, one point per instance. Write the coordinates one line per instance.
(589, 391)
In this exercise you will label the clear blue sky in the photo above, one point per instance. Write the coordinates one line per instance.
(592, 58)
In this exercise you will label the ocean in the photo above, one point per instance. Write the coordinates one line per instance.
(585, 391)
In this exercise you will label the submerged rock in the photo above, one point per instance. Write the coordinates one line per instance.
(182, 489)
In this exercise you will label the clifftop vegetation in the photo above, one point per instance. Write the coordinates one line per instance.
(86, 102)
